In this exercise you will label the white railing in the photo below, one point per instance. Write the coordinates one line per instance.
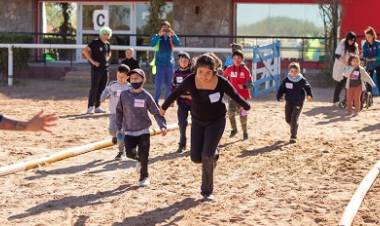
(10, 48)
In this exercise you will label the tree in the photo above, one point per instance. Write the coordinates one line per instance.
(155, 16)
(331, 15)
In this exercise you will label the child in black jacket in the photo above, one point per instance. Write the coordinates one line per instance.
(294, 87)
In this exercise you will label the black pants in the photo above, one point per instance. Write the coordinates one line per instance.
(339, 86)
(205, 137)
(372, 73)
(183, 114)
(98, 83)
(143, 144)
(292, 113)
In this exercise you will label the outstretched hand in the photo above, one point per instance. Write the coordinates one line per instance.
(41, 122)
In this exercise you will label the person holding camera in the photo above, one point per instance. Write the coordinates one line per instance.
(162, 64)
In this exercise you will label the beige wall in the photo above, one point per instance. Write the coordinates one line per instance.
(214, 18)
(17, 15)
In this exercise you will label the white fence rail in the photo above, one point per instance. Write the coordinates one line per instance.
(10, 48)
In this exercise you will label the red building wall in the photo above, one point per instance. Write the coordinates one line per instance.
(358, 14)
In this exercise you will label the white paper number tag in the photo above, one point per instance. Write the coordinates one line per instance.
(233, 74)
(139, 103)
(118, 92)
(215, 97)
(179, 79)
(289, 85)
(356, 73)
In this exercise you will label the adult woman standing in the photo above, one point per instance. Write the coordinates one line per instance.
(371, 54)
(347, 47)
(208, 112)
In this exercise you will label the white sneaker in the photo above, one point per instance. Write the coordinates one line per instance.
(138, 166)
(100, 110)
(336, 104)
(208, 198)
(90, 110)
(144, 182)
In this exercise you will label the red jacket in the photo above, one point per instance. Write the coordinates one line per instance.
(240, 78)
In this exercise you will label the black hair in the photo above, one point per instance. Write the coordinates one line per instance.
(123, 69)
(208, 60)
(238, 53)
(347, 47)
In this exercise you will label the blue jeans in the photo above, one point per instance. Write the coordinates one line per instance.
(164, 78)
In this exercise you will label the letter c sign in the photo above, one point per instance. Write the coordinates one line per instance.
(100, 19)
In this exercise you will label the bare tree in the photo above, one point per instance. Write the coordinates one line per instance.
(331, 15)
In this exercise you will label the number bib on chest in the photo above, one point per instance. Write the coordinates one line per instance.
(215, 97)
(118, 92)
(289, 85)
(139, 103)
(179, 80)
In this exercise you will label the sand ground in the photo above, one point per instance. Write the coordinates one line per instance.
(262, 181)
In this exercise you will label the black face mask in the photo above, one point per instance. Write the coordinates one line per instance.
(136, 85)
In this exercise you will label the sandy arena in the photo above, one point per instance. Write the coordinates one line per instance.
(262, 181)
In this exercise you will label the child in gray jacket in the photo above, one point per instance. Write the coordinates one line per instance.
(113, 91)
(133, 122)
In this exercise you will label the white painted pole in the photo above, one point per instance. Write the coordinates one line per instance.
(10, 66)
(358, 197)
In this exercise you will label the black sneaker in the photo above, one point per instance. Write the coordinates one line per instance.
(245, 136)
(233, 133)
(118, 156)
(293, 140)
(114, 140)
(181, 149)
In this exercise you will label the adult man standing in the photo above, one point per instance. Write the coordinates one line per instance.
(163, 44)
(98, 53)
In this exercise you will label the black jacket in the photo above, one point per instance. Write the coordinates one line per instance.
(294, 91)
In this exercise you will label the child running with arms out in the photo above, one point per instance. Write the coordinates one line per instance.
(133, 122)
(294, 86)
(113, 91)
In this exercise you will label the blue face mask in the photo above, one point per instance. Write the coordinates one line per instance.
(136, 85)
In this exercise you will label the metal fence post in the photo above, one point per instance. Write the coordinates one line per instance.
(10, 65)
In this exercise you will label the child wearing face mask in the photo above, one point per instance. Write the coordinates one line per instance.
(133, 122)
(294, 86)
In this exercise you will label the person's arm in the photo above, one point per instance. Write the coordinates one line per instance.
(233, 94)
(367, 78)
(86, 52)
(39, 122)
(119, 114)
(105, 94)
(280, 91)
(176, 39)
(181, 89)
(155, 111)
(307, 88)
(153, 41)
(347, 72)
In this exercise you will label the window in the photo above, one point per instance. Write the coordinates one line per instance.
(88, 11)
(279, 20)
(120, 17)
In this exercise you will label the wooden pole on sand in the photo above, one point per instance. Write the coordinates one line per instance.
(67, 153)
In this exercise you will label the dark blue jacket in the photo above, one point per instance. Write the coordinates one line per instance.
(294, 90)
(372, 52)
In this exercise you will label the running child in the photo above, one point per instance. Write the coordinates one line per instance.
(184, 101)
(208, 114)
(294, 86)
(133, 122)
(240, 77)
(113, 91)
(357, 78)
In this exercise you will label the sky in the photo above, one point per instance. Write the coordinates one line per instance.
(252, 13)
